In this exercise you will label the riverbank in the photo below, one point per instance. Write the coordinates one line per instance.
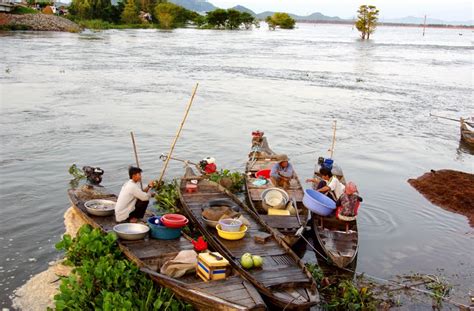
(37, 22)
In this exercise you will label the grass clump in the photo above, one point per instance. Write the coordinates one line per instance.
(24, 10)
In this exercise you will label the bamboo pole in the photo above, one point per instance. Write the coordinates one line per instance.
(333, 140)
(136, 155)
(170, 153)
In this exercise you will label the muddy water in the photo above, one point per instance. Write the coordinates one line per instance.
(74, 98)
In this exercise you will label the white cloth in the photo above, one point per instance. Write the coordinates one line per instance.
(127, 198)
(336, 186)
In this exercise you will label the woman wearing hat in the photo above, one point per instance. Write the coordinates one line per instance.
(281, 173)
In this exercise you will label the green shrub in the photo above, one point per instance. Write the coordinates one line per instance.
(24, 10)
(104, 280)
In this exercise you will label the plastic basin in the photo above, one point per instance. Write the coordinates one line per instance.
(318, 203)
(230, 225)
(263, 173)
(174, 220)
(232, 235)
(274, 198)
(161, 232)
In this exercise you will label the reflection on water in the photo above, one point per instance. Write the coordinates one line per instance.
(74, 98)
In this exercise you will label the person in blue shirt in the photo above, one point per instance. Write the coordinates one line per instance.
(282, 173)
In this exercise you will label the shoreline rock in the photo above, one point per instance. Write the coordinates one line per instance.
(37, 22)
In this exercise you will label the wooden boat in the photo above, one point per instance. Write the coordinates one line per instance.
(338, 239)
(234, 293)
(283, 280)
(262, 157)
(467, 134)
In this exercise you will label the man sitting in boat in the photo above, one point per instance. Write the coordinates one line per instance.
(329, 184)
(281, 173)
(132, 200)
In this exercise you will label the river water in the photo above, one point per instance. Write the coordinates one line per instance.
(74, 98)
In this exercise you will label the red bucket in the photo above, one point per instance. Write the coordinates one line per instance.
(263, 173)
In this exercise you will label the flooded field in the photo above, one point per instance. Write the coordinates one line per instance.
(74, 98)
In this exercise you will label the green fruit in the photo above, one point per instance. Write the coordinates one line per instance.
(247, 255)
(246, 261)
(257, 261)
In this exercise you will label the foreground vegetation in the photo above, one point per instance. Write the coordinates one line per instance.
(102, 279)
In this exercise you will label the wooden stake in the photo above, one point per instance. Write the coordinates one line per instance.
(170, 153)
(136, 155)
(333, 139)
(424, 26)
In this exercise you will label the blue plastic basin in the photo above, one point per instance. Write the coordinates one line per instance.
(161, 232)
(318, 203)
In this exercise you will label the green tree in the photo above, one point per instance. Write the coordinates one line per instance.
(91, 9)
(367, 18)
(130, 13)
(217, 18)
(282, 20)
(233, 20)
(248, 20)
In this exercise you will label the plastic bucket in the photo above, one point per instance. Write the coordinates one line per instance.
(263, 173)
(230, 225)
(328, 163)
(158, 231)
(318, 203)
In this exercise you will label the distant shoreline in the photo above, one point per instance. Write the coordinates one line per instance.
(349, 22)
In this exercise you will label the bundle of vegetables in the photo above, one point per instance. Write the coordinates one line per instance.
(232, 181)
(167, 197)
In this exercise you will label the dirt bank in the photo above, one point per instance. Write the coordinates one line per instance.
(38, 292)
(451, 190)
(40, 22)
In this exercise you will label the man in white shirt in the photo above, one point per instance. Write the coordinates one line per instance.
(330, 185)
(132, 201)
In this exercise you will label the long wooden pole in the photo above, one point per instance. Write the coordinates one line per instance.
(136, 154)
(451, 119)
(170, 153)
(333, 139)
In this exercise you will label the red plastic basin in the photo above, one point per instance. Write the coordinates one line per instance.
(263, 173)
(174, 220)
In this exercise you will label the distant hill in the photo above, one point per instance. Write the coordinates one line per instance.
(195, 5)
(313, 17)
(241, 8)
(420, 20)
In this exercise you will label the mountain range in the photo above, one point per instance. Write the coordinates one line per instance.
(205, 6)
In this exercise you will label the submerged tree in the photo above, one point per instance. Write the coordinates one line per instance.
(282, 20)
(90, 9)
(367, 18)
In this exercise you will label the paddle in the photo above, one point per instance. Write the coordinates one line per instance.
(177, 134)
(452, 119)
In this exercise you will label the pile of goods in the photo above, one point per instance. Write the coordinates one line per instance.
(167, 227)
(249, 261)
(224, 216)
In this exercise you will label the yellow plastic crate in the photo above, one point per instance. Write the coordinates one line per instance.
(279, 212)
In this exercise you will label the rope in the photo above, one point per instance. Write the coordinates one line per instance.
(457, 304)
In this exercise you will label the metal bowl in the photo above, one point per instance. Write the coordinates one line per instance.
(210, 223)
(100, 207)
(131, 231)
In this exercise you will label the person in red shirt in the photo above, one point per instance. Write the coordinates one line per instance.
(208, 165)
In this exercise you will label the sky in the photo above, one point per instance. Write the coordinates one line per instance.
(449, 10)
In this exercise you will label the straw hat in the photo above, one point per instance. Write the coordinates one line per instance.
(283, 158)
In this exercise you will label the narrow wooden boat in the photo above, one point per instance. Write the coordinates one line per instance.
(234, 293)
(262, 157)
(467, 134)
(338, 239)
(283, 280)
(339, 245)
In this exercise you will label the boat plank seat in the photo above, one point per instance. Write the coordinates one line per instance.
(150, 248)
(281, 222)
